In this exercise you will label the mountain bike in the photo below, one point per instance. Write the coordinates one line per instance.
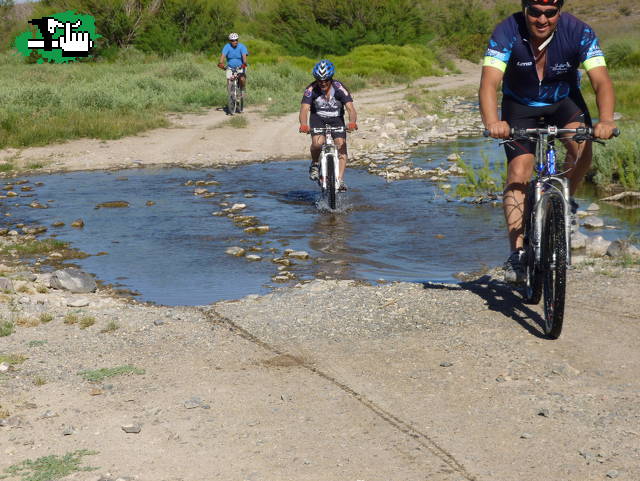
(235, 101)
(547, 223)
(329, 164)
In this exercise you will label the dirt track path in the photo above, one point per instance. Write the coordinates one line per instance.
(197, 141)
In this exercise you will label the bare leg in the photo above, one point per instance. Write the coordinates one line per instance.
(341, 144)
(316, 147)
(518, 175)
(578, 160)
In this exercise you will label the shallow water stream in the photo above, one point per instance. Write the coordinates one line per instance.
(173, 252)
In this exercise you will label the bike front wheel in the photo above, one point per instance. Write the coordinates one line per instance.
(232, 102)
(331, 182)
(554, 265)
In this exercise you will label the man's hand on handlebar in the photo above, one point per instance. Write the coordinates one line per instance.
(499, 130)
(351, 126)
(604, 129)
(221, 66)
(303, 129)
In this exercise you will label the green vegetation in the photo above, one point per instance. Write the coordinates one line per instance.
(34, 247)
(12, 359)
(70, 318)
(618, 163)
(37, 343)
(86, 321)
(49, 468)
(110, 327)
(480, 181)
(237, 122)
(98, 375)
(39, 381)
(6, 328)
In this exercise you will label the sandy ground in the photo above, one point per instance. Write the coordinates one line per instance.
(327, 380)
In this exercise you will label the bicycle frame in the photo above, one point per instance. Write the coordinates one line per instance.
(328, 148)
(548, 179)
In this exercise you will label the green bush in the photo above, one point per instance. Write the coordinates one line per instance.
(617, 162)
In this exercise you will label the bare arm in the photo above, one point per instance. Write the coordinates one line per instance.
(488, 96)
(304, 113)
(606, 100)
(351, 111)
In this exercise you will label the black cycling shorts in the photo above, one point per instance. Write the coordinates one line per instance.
(560, 114)
(315, 122)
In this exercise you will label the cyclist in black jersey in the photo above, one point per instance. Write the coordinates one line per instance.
(324, 103)
(536, 54)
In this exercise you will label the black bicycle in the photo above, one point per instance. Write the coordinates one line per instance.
(235, 101)
(547, 223)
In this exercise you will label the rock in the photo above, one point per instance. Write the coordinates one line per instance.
(253, 257)
(78, 224)
(597, 246)
(235, 251)
(593, 222)
(6, 285)
(238, 207)
(4, 367)
(621, 248)
(200, 191)
(453, 157)
(58, 224)
(73, 280)
(34, 230)
(158, 322)
(593, 208)
(192, 403)
(80, 302)
(37, 205)
(544, 412)
(613, 474)
(526, 436)
(68, 431)
(446, 364)
(299, 254)
(578, 240)
(131, 428)
(114, 204)
(150, 203)
(263, 229)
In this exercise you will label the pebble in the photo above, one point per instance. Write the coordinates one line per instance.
(299, 254)
(235, 251)
(4, 367)
(446, 364)
(613, 474)
(593, 208)
(526, 436)
(253, 257)
(132, 428)
(81, 302)
(238, 207)
(192, 403)
(544, 412)
(68, 431)
(593, 222)
(158, 322)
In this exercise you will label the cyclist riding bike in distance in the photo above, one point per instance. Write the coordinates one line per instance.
(323, 103)
(536, 54)
(234, 54)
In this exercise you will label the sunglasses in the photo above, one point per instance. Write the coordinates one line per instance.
(324, 81)
(536, 12)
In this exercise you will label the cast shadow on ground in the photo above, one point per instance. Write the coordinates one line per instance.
(500, 297)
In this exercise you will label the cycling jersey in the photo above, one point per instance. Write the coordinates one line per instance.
(234, 54)
(573, 43)
(327, 107)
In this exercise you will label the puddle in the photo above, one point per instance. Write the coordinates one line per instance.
(173, 252)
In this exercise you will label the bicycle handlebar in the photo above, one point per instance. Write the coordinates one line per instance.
(325, 130)
(584, 132)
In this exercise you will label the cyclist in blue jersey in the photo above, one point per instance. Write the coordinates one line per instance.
(324, 103)
(235, 55)
(536, 54)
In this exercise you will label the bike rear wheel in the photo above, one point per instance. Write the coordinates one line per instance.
(554, 265)
(331, 182)
(233, 95)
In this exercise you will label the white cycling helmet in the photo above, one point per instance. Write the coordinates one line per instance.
(234, 36)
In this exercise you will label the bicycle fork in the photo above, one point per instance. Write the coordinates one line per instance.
(541, 187)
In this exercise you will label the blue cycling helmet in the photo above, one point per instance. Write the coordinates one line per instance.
(323, 70)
